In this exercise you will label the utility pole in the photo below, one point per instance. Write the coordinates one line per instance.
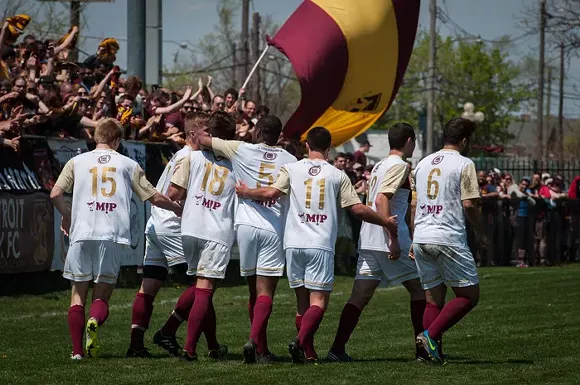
(136, 44)
(256, 81)
(548, 119)
(431, 82)
(540, 115)
(234, 64)
(246, 38)
(75, 19)
(560, 144)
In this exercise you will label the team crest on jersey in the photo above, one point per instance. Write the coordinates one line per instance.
(104, 159)
(438, 159)
(270, 155)
(314, 170)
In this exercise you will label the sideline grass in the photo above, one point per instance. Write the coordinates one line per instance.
(524, 331)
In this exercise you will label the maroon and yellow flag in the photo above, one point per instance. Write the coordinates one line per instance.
(350, 58)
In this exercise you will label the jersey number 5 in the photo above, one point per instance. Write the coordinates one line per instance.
(432, 184)
(321, 183)
(265, 174)
(105, 180)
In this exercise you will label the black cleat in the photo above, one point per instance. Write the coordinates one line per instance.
(168, 343)
(218, 354)
(249, 350)
(265, 359)
(297, 353)
(143, 353)
(422, 356)
(312, 361)
(185, 356)
(338, 357)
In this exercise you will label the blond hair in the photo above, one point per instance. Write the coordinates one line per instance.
(108, 131)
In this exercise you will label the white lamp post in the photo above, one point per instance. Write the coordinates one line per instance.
(468, 113)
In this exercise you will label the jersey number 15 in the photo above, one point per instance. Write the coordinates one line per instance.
(107, 181)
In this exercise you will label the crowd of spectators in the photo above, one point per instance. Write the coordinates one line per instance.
(41, 93)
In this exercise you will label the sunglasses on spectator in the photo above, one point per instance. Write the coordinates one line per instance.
(191, 108)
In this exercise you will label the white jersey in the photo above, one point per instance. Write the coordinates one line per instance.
(314, 187)
(442, 181)
(209, 207)
(373, 237)
(257, 165)
(165, 222)
(101, 204)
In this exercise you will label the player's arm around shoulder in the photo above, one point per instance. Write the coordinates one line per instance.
(280, 187)
(64, 183)
(220, 147)
(350, 200)
(146, 192)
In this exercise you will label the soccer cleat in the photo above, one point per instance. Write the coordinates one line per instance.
(430, 347)
(92, 345)
(76, 357)
(185, 356)
(266, 358)
(297, 353)
(249, 351)
(421, 355)
(143, 353)
(312, 361)
(338, 357)
(218, 354)
(168, 343)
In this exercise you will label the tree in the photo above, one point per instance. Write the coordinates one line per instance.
(572, 140)
(214, 55)
(467, 71)
(562, 22)
(47, 22)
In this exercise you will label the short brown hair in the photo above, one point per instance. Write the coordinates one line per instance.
(221, 125)
(107, 131)
(195, 121)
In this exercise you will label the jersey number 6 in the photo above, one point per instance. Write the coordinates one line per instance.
(432, 184)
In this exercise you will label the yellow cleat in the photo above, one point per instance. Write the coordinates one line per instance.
(92, 346)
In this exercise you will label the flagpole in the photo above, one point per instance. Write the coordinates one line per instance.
(256, 66)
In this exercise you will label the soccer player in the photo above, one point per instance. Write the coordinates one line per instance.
(315, 187)
(101, 182)
(447, 192)
(258, 225)
(208, 184)
(384, 256)
(163, 249)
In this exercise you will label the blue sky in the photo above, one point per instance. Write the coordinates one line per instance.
(188, 20)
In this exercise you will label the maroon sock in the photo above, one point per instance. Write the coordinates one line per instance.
(298, 321)
(431, 313)
(141, 315)
(180, 313)
(210, 329)
(417, 312)
(452, 312)
(251, 305)
(262, 311)
(76, 327)
(99, 310)
(348, 321)
(195, 321)
(310, 323)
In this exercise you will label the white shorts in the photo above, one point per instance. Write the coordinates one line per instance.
(260, 252)
(163, 250)
(94, 260)
(311, 268)
(452, 265)
(376, 265)
(205, 258)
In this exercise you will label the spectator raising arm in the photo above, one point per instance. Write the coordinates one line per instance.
(175, 106)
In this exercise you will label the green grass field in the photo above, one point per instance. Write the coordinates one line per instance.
(525, 331)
